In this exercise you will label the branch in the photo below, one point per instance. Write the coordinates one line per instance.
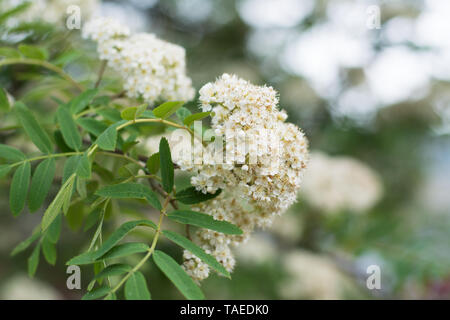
(46, 65)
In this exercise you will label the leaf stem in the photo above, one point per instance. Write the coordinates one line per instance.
(100, 73)
(147, 256)
(53, 155)
(44, 64)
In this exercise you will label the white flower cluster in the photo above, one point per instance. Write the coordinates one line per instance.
(151, 68)
(51, 11)
(263, 176)
(311, 276)
(332, 184)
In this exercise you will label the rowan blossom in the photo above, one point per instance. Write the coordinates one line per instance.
(151, 68)
(332, 184)
(312, 276)
(260, 179)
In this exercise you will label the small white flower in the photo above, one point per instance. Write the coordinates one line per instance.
(150, 67)
(246, 117)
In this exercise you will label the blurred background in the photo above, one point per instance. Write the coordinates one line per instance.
(374, 102)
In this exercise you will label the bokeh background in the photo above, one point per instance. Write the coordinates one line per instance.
(379, 96)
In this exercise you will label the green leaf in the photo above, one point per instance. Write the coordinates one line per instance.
(130, 190)
(203, 220)
(33, 260)
(67, 57)
(166, 165)
(41, 183)
(9, 53)
(136, 287)
(4, 169)
(11, 154)
(84, 167)
(153, 163)
(78, 164)
(54, 230)
(26, 243)
(92, 126)
(108, 139)
(111, 296)
(4, 101)
(68, 128)
(112, 270)
(32, 128)
(59, 140)
(178, 276)
(183, 113)
(19, 188)
(116, 236)
(83, 258)
(125, 249)
(196, 250)
(81, 188)
(96, 293)
(33, 52)
(92, 218)
(192, 196)
(70, 167)
(82, 101)
(167, 109)
(58, 204)
(120, 233)
(49, 251)
(148, 114)
(194, 117)
(75, 215)
(133, 113)
(110, 114)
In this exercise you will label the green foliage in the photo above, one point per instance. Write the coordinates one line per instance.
(126, 249)
(60, 202)
(49, 251)
(92, 126)
(112, 270)
(132, 113)
(195, 117)
(119, 234)
(33, 129)
(192, 196)
(79, 103)
(26, 243)
(166, 165)
(19, 188)
(4, 102)
(96, 293)
(167, 109)
(177, 275)
(9, 52)
(107, 140)
(153, 163)
(11, 154)
(89, 151)
(136, 287)
(130, 190)
(68, 128)
(33, 260)
(203, 220)
(183, 113)
(33, 52)
(41, 183)
(196, 250)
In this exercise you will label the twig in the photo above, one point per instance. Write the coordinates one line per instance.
(46, 65)
(100, 73)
